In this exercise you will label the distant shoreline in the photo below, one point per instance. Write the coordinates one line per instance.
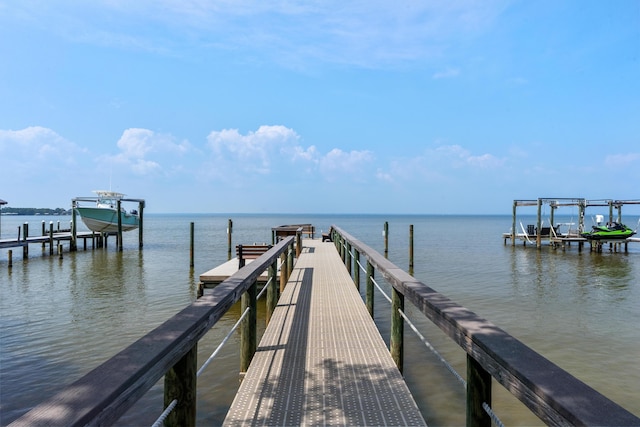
(35, 211)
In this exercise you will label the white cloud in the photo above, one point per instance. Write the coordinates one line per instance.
(256, 150)
(36, 145)
(337, 163)
(440, 165)
(137, 145)
(369, 33)
(461, 157)
(277, 149)
(621, 160)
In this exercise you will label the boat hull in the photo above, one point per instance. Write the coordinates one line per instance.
(105, 220)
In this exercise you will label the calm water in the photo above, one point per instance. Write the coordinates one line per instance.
(60, 318)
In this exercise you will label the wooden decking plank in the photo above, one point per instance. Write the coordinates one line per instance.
(321, 360)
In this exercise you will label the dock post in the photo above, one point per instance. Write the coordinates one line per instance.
(347, 259)
(60, 250)
(356, 266)
(50, 237)
(180, 384)
(241, 260)
(411, 249)
(119, 239)
(272, 290)
(229, 232)
(141, 224)
(10, 258)
(370, 274)
(44, 233)
(25, 234)
(289, 261)
(283, 270)
(539, 225)
(74, 232)
(513, 223)
(386, 239)
(298, 244)
(191, 239)
(478, 392)
(248, 335)
(396, 344)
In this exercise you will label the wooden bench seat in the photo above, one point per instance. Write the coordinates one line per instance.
(245, 252)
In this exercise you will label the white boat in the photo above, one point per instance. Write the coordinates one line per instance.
(103, 217)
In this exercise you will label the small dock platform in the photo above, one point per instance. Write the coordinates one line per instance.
(321, 360)
(219, 274)
(57, 237)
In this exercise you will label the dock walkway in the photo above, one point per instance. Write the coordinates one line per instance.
(321, 360)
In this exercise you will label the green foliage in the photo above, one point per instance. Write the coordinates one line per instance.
(35, 211)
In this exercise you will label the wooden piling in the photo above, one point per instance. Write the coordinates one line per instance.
(10, 257)
(191, 244)
(348, 258)
(141, 206)
(229, 232)
(119, 215)
(180, 383)
(25, 248)
(74, 230)
(356, 266)
(50, 237)
(478, 392)
(370, 275)
(396, 344)
(386, 239)
(283, 270)
(290, 253)
(513, 223)
(248, 328)
(539, 226)
(411, 249)
(272, 290)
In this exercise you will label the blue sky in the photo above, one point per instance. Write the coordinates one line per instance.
(319, 106)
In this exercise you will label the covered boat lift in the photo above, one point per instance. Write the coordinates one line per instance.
(540, 232)
(74, 201)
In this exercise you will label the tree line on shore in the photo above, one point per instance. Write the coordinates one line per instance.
(35, 211)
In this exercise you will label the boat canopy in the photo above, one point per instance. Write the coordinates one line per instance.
(107, 194)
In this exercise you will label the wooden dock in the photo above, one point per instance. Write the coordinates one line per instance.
(321, 360)
(57, 237)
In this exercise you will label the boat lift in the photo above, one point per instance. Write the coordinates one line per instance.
(540, 232)
(74, 201)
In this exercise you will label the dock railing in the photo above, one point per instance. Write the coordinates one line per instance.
(552, 394)
(103, 395)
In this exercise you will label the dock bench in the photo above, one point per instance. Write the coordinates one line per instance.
(245, 252)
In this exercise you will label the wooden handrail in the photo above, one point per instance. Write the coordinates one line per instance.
(554, 395)
(104, 394)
